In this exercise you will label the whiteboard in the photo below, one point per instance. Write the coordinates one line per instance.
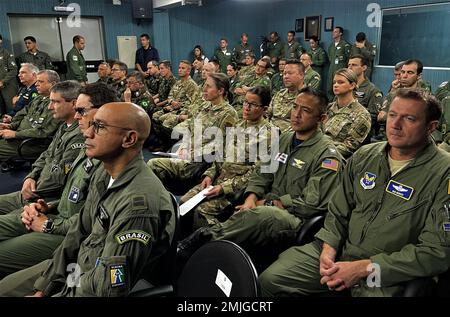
(127, 46)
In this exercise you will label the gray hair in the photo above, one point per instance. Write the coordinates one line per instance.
(31, 67)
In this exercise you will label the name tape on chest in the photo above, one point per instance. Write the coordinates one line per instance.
(399, 190)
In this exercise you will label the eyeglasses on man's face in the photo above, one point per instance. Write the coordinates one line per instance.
(82, 111)
(251, 104)
(97, 126)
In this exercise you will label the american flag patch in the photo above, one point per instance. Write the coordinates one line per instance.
(330, 164)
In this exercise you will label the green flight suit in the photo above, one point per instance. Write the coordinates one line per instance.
(443, 90)
(347, 126)
(233, 174)
(277, 82)
(312, 78)
(275, 50)
(338, 57)
(319, 59)
(40, 59)
(20, 249)
(306, 177)
(279, 112)
(119, 86)
(33, 121)
(76, 66)
(118, 235)
(8, 73)
(293, 50)
(224, 57)
(371, 98)
(50, 169)
(239, 52)
(369, 51)
(398, 222)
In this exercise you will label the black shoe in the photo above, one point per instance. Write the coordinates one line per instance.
(189, 245)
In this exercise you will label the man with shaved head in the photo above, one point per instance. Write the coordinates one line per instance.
(127, 220)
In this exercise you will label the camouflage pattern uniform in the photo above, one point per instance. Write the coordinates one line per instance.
(279, 112)
(40, 59)
(250, 81)
(119, 87)
(277, 82)
(368, 51)
(443, 90)
(446, 144)
(185, 92)
(220, 116)
(246, 71)
(34, 121)
(371, 98)
(165, 86)
(231, 175)
(153, 84)
(347, 126)
(338, 56)
(8, 73)
(312, 78)
(142, 98)
(293, 51)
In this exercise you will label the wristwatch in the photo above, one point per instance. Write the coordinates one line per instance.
(48, 226)
(268, 202)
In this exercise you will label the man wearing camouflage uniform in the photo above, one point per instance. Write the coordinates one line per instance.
(232, 175)
(279, 112)
(338, 54)
(166, 84)
(119, 72)
(49, 171)
(305, 175)
(387, 222)
(8, 83)
(249, 66)
(312, 78)
(443, 90)
(137, 93)
(34, 121)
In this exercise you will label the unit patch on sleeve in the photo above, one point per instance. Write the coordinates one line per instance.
(330, 164)
(117, 273)
(131, 235)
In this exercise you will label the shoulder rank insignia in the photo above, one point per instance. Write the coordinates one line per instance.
(368, 180)
(330, 164)
(117, 273)
(131, 235)
(400, 190)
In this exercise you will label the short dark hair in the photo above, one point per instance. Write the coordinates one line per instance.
(417, 62)
(300, 65)
(145, 35)
(29, 38)
(320, 96)
(69, 89)
(99, 94)
(361, 58)
(291, 32)
(166, 63)
(77, 38)
(221, 81)
(184, 61)
(361, 36)
(314, 38)
(341, 29)
(137, 76)
(122, 66)
(434, 108)
(263, 93)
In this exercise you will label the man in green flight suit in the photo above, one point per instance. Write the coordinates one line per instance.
(32, 236)
(34, 56)
(8, 83)
(298, 185)
(123, 227)
(388, 221)
(76, 66)
(338, 54)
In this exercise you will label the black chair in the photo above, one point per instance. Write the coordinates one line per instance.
(166, 267)
(218, 269)
(21, 159)
(309, 228)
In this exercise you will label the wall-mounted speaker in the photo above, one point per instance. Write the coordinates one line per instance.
(142, 9)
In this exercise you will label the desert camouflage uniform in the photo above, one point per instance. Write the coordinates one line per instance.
(279, 112)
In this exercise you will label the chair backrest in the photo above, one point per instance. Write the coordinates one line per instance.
(218, 269)
(309, 229)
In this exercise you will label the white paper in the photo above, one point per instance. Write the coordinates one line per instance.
(166, 154)
(194, 201)
(224, 283)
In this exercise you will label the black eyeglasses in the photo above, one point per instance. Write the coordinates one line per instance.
(251, 105)
(97, 126)
(82, 111)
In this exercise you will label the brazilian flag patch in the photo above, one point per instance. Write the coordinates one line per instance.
(133, 235)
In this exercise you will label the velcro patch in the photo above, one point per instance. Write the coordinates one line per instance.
(117, 273)
(400, 190)
(75, 58)
(330, 164)
(133, 235)
(138, 202)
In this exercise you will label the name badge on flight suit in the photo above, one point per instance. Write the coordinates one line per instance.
(368, 180)
(400, 190)
(103, 217)
(87, 166)
(74, 195)
(281, 157)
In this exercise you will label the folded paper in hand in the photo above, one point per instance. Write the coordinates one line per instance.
(194, 201)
